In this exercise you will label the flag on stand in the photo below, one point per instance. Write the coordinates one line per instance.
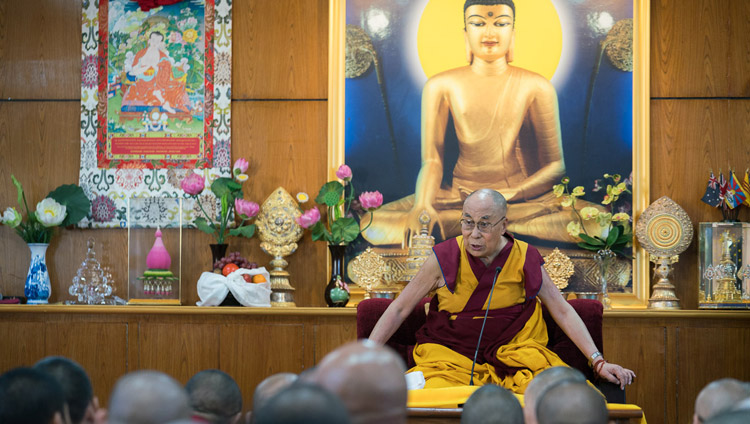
(745, 184)
(722, 186)
(712, 192)
(734, 195)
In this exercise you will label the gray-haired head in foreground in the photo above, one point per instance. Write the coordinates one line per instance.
(302, 402)
(719, 396)
(147, 397)
(492, 404)
(214, 396)
(572, 403)
(543, 381)
(270, 386)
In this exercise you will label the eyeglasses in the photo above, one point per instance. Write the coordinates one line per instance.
(483, 226)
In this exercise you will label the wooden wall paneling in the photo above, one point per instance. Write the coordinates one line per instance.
(708, 353)
(285, 143)
(178, 348)
(280, 49)
(40, 49)
(690, 48)
(692, 138)
(100, 348)
(642, 348)
(23, 343)
(739, 48)
(331, 335)
(253, 351)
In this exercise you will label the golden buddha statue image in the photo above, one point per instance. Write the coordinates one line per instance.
(507, 122)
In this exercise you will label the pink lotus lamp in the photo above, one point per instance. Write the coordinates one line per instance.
(158, 257)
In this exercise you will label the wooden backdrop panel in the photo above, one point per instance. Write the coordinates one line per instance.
(179, 349)
(40, 49)
(100, 348)
(252, 352)
(691, 138)
(329, 336)
(18, 349)
(280, 49)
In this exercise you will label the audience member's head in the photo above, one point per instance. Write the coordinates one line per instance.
(75, 385)
(369, 379)
(215, 397)
(270, 386)
(542, 382)
(571, 403)
(147, 397)
(718, 396)
(491, 404)
(302, 402)
(29, 396)
(741, 416)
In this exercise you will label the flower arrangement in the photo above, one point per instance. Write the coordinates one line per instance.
(617, 233)
(66, 205)
(338, 198)
(229, 192)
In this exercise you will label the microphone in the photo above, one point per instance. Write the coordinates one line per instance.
(484, 321)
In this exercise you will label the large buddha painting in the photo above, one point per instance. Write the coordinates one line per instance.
(425, 125)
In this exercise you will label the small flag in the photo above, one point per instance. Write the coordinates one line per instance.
(722, 186)
(745, 184)
(712, 192)
(734, 195)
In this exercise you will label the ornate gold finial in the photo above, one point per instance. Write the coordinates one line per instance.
(279, 234)
(559, 267)
(366, 271)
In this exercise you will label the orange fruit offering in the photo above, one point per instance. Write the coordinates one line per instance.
(229, 268)
(259, 278)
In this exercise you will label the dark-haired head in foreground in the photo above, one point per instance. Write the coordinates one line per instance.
(75, 384)
(302, 402)
(542, 382)
(147, 397)
(29, 396)
(492, 404)
(215, 396)
(571, 403)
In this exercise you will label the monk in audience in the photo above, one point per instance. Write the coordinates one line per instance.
(731, 417)
(369, 379)
(147, 397)
(29, 396)
(83, 406)
(717, 397)
(492, 404)
(543, 381)
(215, 397)
(300, 403)
(270, 386)
(572, 403)
(464, 272)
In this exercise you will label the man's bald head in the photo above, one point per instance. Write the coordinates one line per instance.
(571, 403)
(719, 396)
(369, 379)
(147, 397)
(215, 396)
(302, 402)
(498, 200)
(270, 386)
(542, 382)
(492, 404)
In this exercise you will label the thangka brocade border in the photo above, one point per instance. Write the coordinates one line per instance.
(110, 188)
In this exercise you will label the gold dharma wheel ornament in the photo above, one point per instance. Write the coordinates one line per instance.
(559, 267)
(664, 230)
(366, 271)
(279, 233)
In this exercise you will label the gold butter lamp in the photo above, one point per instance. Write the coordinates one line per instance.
(279, 234)
(664, 230)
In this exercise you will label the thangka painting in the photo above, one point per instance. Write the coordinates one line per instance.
(155, 103)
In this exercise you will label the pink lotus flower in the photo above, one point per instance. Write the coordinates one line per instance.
(344, 173)
(309, 218)
(370, 200)
(193, 184)
(245, 208)
(240, 166)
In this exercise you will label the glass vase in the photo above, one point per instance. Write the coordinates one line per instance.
(605, 258)
(336, 292)
(37, 288)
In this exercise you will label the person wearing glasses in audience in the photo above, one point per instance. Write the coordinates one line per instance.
(463, 271)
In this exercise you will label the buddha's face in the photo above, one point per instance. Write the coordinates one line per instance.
(483, 243)
(489, 31)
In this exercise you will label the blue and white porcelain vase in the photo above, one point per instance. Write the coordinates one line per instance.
(38, 287)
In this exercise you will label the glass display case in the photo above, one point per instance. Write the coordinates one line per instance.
(154, 250)
(723, 267)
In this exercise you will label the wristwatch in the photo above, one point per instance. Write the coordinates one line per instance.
(593, 357)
